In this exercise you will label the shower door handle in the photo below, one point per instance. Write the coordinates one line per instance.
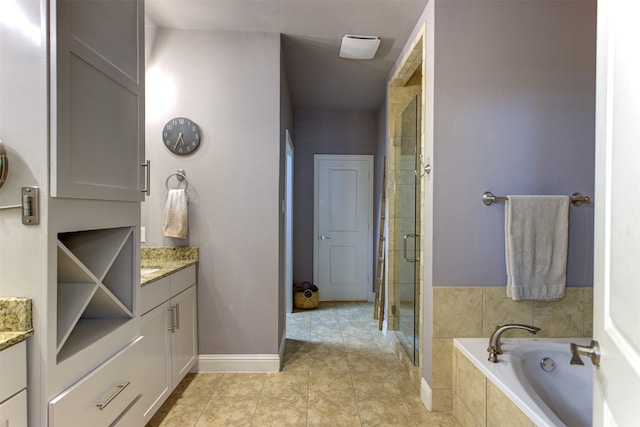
(406, 237)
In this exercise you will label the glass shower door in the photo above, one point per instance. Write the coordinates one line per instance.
(407, 211)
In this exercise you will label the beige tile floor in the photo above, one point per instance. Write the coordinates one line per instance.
(338, 371)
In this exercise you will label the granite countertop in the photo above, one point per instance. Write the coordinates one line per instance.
(15, 321)
(166, 260)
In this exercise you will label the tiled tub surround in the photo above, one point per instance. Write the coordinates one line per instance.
(489, 394)
(166, 259)
(15, 321)
(473, 312)
(478, 402)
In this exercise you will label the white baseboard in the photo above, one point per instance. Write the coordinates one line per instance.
(238, 363)
(426, 395)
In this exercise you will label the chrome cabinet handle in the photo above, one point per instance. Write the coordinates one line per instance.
(147, 187)
(404, 248)
(592, 352)
(172, 328)
(323, 237)
(119, 389)
(177, 312)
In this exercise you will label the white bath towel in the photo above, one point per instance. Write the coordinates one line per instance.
(536, 245)
(175, 221)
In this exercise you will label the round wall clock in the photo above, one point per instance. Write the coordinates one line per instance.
(181, 136)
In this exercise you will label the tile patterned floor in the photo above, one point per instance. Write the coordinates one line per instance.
(338, 371)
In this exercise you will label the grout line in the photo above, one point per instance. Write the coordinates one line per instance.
(345, 317)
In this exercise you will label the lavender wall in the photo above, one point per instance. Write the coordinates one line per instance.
(233, 93)
(514, 114)
(323, 132)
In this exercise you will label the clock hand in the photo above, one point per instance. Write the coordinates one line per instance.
(178, 140)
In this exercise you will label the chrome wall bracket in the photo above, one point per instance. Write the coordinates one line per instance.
(30, 205)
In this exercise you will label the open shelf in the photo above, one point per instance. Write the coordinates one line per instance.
(96, 249)
(121, 274)
(72, 301)
(95, 286)
(85, 333)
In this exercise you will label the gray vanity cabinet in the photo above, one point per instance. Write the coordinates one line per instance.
(13, 388)
(169, 327)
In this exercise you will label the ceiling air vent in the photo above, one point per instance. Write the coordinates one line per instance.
(359, 47)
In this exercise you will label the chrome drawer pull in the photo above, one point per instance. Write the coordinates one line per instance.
(119, 388)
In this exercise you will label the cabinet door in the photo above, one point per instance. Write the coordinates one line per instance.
(184, 339)
(13, 412)
(156, 356)
(97, 99)
(13, 370)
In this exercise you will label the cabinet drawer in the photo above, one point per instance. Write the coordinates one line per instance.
(13, 412)
(13, 370)
(154, 294)
(79, 404)
(132, 417)
(183, 279)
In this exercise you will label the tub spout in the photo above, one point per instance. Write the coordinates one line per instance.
(495, 347)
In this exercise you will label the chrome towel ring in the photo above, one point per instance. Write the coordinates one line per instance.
(4, 165)
(181, 175)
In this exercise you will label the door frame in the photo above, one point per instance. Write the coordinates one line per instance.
(288, 223)
(360, 157)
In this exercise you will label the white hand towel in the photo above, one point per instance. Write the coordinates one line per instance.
(175, 221)
(536, 245)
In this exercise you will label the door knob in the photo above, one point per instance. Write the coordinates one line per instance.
(323, 237)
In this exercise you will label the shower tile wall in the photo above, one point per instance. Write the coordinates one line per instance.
(467, 312)
(400, 173)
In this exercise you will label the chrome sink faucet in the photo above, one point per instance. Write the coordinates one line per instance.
(495, 347)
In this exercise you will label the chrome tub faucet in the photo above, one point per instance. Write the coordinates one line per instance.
(495, 347)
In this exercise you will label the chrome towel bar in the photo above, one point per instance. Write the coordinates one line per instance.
(576, 199)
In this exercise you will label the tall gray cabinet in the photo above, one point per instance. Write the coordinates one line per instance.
(97, 180)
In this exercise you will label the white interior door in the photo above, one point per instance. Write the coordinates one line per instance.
(617, 215)
(342, 226)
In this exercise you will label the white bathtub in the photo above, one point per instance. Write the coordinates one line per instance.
(561, 397)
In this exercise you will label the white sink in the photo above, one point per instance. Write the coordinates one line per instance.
(146, 270)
